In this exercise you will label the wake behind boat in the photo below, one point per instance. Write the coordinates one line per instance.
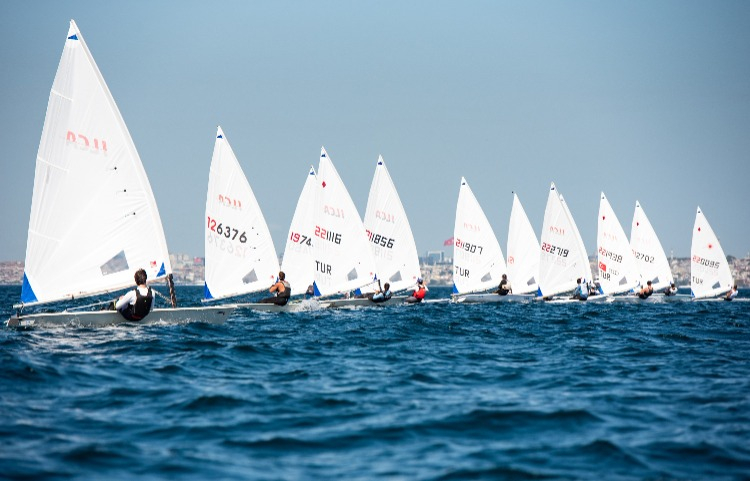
(94, 220)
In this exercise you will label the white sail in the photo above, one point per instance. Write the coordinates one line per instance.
(709, 271)
(299, 259)
(240, 256)
(343, 259)
(650, 258)
(389, 233)
(563, 255)
(615, 259)
(522, 250)
(478, 261)
(94, 220)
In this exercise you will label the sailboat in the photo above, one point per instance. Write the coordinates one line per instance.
(616, 263)
(563, 255)
(240, 256)
(344, 262)
(478, 261)
(94, 220)
(522, 250)
(650, 258)
(299, 258)
(389, 233)
(710, 275)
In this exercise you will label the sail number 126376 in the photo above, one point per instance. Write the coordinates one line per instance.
(225, 230)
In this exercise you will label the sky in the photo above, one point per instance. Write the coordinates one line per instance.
(643, 100)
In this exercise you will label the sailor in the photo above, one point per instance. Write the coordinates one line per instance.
(382, 295)
(671, 290)
(419, 292)
(646, 291)
(731, 294)
(281, 291)
(504, 288)
(136, 304)
(582, 292)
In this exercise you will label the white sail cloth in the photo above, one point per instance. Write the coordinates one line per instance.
(389, 233)
(650, 259)
(709, 271)
(615, 260)
(240, 255)
(94, 220)
(478, 261)
(343, 259)
(299, 259)
(563, 255)
(522, 250)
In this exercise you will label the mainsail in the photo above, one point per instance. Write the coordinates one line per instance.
(299, 259)
(389, 233)
(615, 259)
(650, 258)
(478, 261)
(343, 259)
(709, 271)
(94, 220)
(523, 251)
(563, 255)
(240, 256)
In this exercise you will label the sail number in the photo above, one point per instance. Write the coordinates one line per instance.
(553, 249)
(380, 240)
(610, 255)
(298, 238)
(468, 247)
(706, 262)
(226, 230)
(328, 235)
(643, 257)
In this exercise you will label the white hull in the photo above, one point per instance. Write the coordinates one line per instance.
(212, 315)
(363, 302)
(491, 297)
(293, 306)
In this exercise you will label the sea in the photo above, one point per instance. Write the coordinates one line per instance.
(437, 391)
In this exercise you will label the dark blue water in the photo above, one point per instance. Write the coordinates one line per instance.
(437, 391)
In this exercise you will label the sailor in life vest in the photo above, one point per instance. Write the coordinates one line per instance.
(381, 295)
(281, 291)
(419, 292)
(646, 291)
(136, 304)
(581, 292)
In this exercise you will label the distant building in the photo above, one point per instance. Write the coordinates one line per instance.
(434, 257)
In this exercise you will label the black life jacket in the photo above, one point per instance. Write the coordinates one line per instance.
(287, 290)
(142, 305)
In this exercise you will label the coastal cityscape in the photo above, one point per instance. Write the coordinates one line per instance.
(436, 268)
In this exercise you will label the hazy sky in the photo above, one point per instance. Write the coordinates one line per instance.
(644, 100)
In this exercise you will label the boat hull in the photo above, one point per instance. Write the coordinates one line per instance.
(294, 306)
(492, 298)
(212, 315)
(363, 302)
